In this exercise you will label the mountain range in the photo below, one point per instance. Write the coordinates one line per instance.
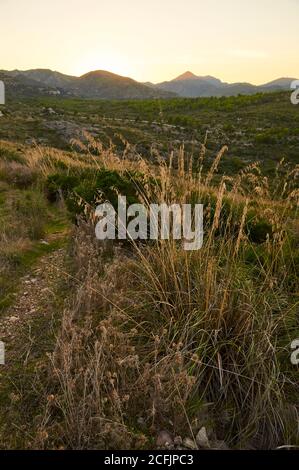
(101, 84)
(192, 86)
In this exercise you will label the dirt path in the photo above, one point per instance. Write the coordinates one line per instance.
(33, 295)
(28, 330)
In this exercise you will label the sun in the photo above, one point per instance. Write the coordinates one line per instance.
(110, 62)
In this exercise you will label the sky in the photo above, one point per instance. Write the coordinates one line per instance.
(234, 40)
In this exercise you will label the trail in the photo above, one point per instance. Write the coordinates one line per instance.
(33, 293)
(27, 331)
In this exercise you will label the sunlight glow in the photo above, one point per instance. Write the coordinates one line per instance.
(234, 40)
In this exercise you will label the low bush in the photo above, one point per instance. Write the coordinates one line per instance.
(89, 187)
(18, 175)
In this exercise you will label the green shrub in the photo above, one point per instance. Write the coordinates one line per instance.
(32, 209)
(258, 229)
(10, 155)
(90, 186)
(60, 184)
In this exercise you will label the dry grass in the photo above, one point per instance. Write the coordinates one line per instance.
(154, 337)
(174, 338)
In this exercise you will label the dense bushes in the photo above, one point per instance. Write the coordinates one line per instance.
(91, 187)
(105, 185)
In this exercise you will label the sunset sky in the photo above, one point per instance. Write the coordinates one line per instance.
(234, 40)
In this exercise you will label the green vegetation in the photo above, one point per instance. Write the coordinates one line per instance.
(88, 186)
(26, 220)
(147, 336)
(259, 128)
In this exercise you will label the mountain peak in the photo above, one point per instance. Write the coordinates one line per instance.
(99, 73)
(186, 76)
(283, 82)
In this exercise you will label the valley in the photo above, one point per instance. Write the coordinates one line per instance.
(262, 128)
(106, 340)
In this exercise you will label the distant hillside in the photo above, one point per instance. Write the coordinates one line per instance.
(282, 83)
(94, 85)
(192, 86)
(101, 84)
(45, 77)
(23, 86)
(189, 76)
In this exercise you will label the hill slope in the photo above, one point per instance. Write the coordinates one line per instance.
(189, 85)
(101, 84)
(22, 86)
(98, 84)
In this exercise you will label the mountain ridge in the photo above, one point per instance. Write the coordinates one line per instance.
(98, 84)
(102, 84)
(189, 85)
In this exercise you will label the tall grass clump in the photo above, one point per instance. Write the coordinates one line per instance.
(156, 337)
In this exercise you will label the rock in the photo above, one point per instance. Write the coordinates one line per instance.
(202, 439)
(13, 319)
(189, 444)
(164, 439)
(178, 441)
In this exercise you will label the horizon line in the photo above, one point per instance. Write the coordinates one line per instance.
(147, 81)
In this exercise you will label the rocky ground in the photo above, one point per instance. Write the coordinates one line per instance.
(31, 299)
(27, 329)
